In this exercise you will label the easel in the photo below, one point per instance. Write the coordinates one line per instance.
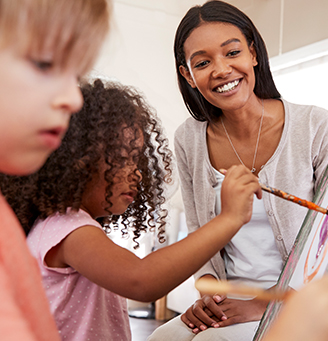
(293, 273)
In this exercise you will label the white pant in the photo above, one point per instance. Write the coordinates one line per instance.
(176, 330)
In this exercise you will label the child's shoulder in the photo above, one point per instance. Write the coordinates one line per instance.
(70, 217)
(55, 228)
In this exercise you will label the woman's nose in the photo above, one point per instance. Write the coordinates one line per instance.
(221, 68)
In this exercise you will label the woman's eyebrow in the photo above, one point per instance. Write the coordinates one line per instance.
(197, 53)
(229, 41)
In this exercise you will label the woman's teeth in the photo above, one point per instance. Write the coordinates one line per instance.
(227, 87)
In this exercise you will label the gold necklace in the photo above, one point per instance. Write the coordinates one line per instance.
(253, 170)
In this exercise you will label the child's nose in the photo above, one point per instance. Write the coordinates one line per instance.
(138, 174)
(70, 98)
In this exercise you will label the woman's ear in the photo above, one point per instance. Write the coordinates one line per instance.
(186, 74)
(253, 53)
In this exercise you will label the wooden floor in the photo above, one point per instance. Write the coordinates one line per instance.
(142, 328)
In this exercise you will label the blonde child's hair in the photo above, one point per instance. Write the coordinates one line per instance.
(71, 30)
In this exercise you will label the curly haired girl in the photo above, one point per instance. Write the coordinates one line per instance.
(113, 164)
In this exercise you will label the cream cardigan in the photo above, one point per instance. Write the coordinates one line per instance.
(296, 167)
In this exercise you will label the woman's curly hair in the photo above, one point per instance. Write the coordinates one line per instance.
(95, 135)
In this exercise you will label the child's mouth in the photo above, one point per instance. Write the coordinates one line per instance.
(52, 138)
(130, 195)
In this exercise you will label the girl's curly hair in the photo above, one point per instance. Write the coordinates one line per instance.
(95, 134)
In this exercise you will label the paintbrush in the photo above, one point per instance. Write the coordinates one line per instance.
(310, 205)
(212, 287)
(305, 203)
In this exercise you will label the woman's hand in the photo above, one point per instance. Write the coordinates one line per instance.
(240, 311)
(204, 313)
(219, 311)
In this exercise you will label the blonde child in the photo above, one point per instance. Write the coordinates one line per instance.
(113, 163)
(45, 46)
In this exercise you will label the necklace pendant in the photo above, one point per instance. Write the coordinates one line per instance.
(253, 170)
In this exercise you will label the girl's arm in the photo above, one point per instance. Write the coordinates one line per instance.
(95, 256)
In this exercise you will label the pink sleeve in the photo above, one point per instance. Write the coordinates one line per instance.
(54, 230)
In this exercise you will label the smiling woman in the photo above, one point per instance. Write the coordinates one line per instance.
(238, 117)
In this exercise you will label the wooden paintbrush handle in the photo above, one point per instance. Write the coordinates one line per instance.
(212, 287)
(305, 203)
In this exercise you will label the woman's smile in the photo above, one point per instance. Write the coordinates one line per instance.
(227, 87)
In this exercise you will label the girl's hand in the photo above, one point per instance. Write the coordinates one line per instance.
(204, 313)
(237, 193)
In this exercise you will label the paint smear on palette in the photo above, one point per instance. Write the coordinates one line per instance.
(317, 252)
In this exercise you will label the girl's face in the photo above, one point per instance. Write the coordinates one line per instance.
(124, 189)
(220, 65)
(37, 98)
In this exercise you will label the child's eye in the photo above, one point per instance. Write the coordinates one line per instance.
(201, 64)
(233, 53)
(43, 65)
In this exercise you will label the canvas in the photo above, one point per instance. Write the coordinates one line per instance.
(308, 258)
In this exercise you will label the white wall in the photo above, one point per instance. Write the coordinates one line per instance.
(139, 52)
(300, 75)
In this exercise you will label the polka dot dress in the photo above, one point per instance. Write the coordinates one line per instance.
(82, 309)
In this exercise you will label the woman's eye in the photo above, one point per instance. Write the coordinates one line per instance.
(201, 64)
(233, 53)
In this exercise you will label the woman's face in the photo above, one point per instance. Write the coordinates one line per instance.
(220, 65)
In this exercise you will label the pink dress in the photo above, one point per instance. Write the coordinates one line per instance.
(24, 308)
(82, 310)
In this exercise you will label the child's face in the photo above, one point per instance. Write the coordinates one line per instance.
(37, 99)
(124, 189)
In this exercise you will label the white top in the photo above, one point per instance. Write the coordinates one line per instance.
(252, 256)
